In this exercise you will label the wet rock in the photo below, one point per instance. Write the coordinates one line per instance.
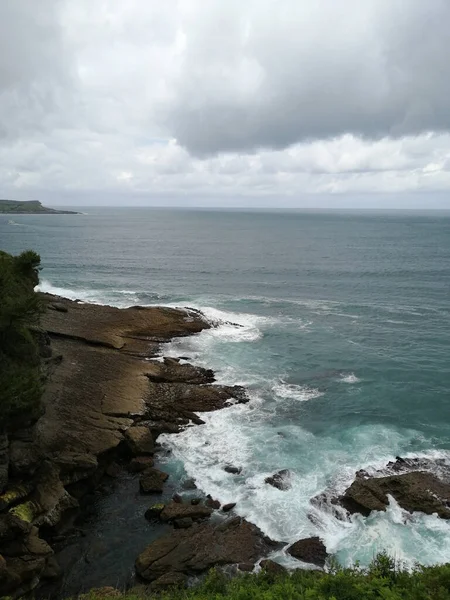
(195, 501)
(414, 491)
(280, 480)
(140, 463)
(152, 481)
(246, 567)
(272, 567)
(174, 511)
(183, 523)
(309, 550)
(202, 547)
(113, 470)
(140, 440)
(154, 511)
(169, 580)
(211, 503)
(189, 484)
(177, 498)
(228, 507)
(233, 470)
(172, 371)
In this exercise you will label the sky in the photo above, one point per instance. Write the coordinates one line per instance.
(316, 103)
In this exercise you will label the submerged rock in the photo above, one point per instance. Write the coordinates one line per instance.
(280, 479)
(309, 550)
(414, 491)
(202, 547)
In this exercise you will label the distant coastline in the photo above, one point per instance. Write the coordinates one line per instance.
(30, 207)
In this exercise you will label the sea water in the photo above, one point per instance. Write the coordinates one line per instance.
(338, 325)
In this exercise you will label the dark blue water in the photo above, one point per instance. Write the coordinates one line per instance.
(345, 347)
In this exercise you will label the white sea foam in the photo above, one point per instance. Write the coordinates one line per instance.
(349, 378)
(301, 393)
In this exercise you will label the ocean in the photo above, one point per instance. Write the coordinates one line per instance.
(337, 323)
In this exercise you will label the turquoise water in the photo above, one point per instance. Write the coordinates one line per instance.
(344, 347)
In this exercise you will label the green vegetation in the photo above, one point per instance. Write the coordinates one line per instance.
(14, 207)
(20, 377)
(382, 580)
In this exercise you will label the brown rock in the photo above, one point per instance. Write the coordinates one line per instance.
(272, 567)
(246, 567)
(4, 461)
(140, 463)
(183, 523)
(169, 580)
(309, 550)
(211, 503)
(140, 440)
(228, 507)
(414, 491)
(174, 511)
(177, 498)
(279, 480)
(202, 547)
(152, 481)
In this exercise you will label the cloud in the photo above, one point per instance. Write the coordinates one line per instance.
(35, 71)
(221, 100)
(264, 74)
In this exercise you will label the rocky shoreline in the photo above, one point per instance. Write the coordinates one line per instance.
(108, 396)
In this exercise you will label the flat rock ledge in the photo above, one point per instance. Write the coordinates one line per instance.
(202, 547)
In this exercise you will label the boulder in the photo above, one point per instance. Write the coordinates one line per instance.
(113, 470)
(196, 501)
(140, 440)
(309, 550)
(228, 507)
(414, 491)
(211, 503)
(177, 498)
(152, 481)
(154, 511)
(272, 567)
(140, 463)
(201, 547)
(189, 484)
(233, 470)
(174, 511)
(280, 480)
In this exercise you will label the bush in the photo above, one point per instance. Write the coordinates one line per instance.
(20, 308)
(382, 580)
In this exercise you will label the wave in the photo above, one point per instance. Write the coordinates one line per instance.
(301, 393)
(349, 378)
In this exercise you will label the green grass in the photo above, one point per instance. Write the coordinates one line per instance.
(382, 580)
(20, 308)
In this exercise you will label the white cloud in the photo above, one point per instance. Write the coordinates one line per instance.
(254, 98)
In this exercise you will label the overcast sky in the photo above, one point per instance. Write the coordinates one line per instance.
(226, 102)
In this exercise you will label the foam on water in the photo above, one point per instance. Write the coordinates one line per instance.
(349, 378)
(301, 393)
(267, 435)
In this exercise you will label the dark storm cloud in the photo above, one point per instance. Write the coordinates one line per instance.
(270, 74)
